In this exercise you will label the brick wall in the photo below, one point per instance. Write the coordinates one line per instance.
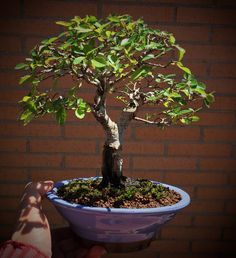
(199, 158)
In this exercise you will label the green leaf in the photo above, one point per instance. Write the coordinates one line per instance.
(49, 41)
(80, 113)
(25, 79)
(99, 62)
(185, 120)
(147, 57)
(81, 29)
(78, 60)
(124, 42)
(26, 98)
(141, 72)
(181, 52)
(172, 39)
(194, 118)
(21, 66)
(108, 33)
(184, 68)
(113, 19)
(26, 116)
(185, 111)
(63, 23)
(210, 98)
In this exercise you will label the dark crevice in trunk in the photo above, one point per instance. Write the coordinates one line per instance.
(112, 167)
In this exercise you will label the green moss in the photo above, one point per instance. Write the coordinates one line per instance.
(89, 193)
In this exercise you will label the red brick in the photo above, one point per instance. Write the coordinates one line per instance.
(209, 52)
(223, 70)
(225, 86)
(171, 246)
(218, 164)
(148, 163)
(9, 203)
(9, 78)
(198, 69)
(9, 61)
(219, 135)
(186, 33)
(14, 174)
(230, 207)
(11, 96)
(214, 220)
(232, 179)
(11, 145)
(10, 8)
(212, 247)
(84, 132)
(191, 233)
(29, 160)
(10, 44)
(33, 129)
(79, 161)
(155, 175)
(173, 133)
(143, 148)
(60, 146)
(223, 35)
(149, 14)
(29, 27)
(181, 220)
(9, 113)
(199, 150)
(222, 118)
(206, 15)
(218, 193)
(202, 206)
(57, 174)
(12, 189)
(31, 42)
(188, 178)
(59, 9)
(224, 103)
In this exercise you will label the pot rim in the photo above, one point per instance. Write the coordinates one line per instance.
(52, 196)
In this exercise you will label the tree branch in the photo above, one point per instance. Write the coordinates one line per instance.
(160, 123)
(159, 65)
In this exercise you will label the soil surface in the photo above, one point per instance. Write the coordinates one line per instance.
(136, 193)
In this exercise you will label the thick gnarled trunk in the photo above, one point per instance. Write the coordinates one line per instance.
(112, 161)
(112, 166)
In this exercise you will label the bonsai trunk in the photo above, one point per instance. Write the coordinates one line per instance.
(112, 166)
(112, 160)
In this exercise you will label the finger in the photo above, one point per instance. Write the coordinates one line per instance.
(44, 186)
(96, 252)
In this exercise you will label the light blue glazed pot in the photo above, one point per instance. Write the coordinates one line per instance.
(116, 225)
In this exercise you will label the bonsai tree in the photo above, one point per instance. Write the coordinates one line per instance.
(119, 57)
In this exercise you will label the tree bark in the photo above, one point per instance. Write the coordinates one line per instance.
(112, 167)
(112, 161)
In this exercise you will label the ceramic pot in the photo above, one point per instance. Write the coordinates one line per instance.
(116, 227)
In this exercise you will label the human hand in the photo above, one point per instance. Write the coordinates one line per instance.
(66, 244)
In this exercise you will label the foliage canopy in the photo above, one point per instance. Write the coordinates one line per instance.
(118, 56)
